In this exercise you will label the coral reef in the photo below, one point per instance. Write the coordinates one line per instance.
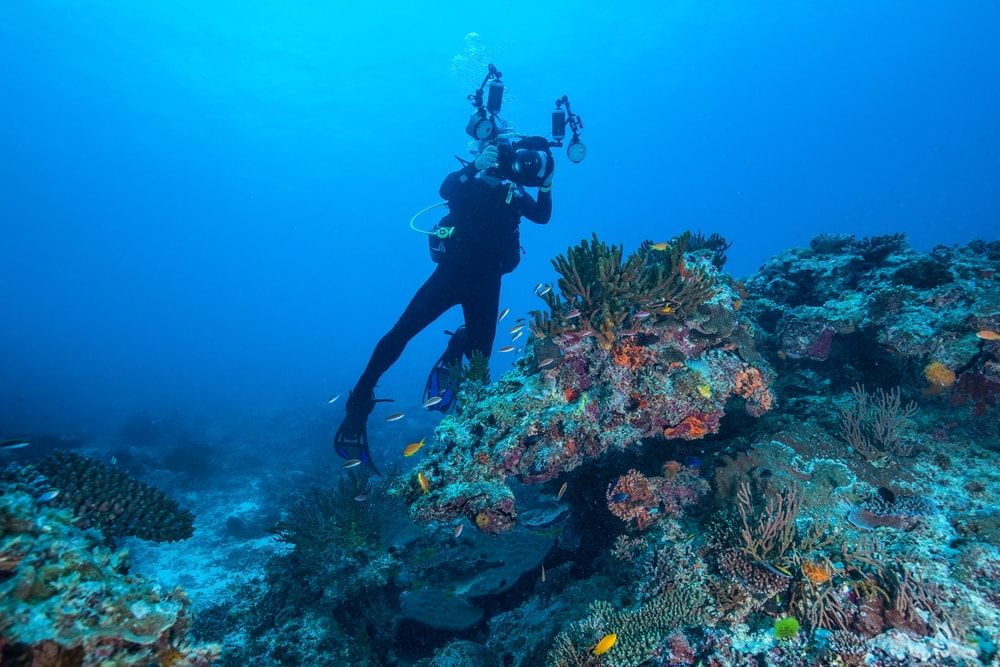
(642, 498)
(66, 599)
(882, 313)
(647, 347)
(112, 501)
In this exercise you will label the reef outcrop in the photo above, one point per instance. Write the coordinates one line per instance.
(654, 345)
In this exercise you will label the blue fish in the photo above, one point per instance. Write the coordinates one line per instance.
(693, 462)
(48, 495)
(619, 497)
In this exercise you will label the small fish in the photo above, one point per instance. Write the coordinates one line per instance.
(517, 335)
(506, 348)
(642, 314)
(395, 417)
(562, 490)
(552, 373)
(573, 314)
(517, 327)
(425, 485)
(538, 287)
(547, 361)
(114, 460)
(543, 573)
(48, 495)
(603, 646)
(432, 401)
(350, 463)
(503, 314)
(10, 445)
(666, 310)
(545, 290)
(619, 497)
(705, 390)
(458, 530)
(333, 400)
(986, 334)
(361, 497)
(413, 447)
(661, 246)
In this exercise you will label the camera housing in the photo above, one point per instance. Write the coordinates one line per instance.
(525, 162)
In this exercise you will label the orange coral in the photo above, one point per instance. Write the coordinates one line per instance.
(818, 573)
(938, 375)
(631, 499)
(749, 384)
(691, 427)
(671, 468)
(632, 355)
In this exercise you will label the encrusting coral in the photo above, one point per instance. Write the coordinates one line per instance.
(66, 599)
(112, 501)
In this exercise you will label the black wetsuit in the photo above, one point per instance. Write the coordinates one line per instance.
(484, 246)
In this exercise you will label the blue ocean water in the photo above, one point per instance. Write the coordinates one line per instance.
(208, 203)
(204, 231)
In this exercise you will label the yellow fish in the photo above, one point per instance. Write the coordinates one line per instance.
(666, 310)
(413, 447)
(705, 390)
(661, 246)
(424, 484)
(605, 644)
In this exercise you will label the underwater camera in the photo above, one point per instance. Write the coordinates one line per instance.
(518, 161)
(525, 161)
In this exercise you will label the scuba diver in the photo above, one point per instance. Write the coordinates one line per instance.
(474, 245)
(485, 207)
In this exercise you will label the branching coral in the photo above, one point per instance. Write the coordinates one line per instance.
(328, 520)
(871, 425)
(715, 244)
(600, 292)
(108, 499)
(767, 532)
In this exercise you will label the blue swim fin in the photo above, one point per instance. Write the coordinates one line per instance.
(440, 382)
(351, 440)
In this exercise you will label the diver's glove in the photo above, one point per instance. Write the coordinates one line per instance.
(488, 158)
(547, 184)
